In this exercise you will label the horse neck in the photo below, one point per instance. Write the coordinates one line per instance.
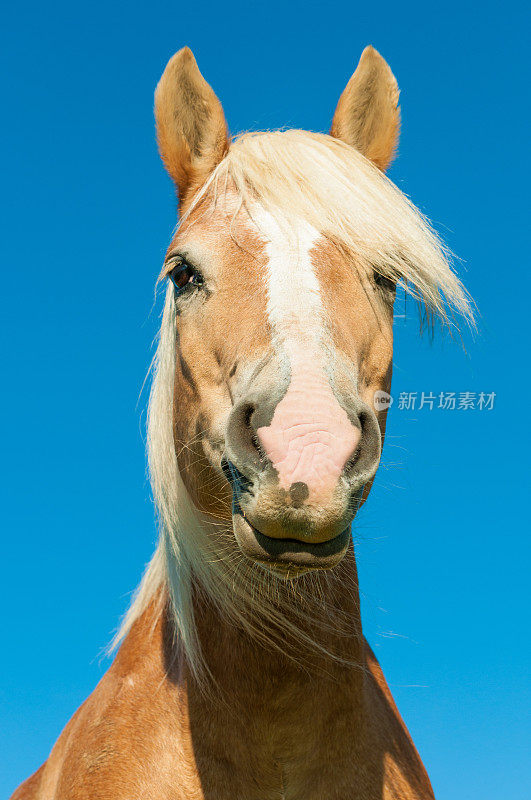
(253, 696)
(240, 662)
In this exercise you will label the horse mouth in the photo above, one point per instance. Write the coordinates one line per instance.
(288, 558)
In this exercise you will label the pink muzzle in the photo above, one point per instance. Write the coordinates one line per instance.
(310, 438)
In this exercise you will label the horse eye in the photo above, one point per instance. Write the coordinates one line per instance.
(383, 282)
(183, 275)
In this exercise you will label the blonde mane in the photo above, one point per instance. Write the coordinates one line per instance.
(292, 174)
(301, 175)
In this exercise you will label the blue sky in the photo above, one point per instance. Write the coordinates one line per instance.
(87, 211)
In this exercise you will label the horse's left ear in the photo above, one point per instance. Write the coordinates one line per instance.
(367, 114)
(191, 127)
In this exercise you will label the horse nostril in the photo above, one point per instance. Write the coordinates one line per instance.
(248, 423)
(248, 412)
(243, 446)
(363, 462)
(250, 427)
(351, 463)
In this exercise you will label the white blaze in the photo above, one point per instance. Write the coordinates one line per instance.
(310, 437)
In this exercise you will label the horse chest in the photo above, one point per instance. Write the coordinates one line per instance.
(288, 743)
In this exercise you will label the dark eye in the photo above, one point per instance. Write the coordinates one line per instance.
(183, 275)
(387, 284)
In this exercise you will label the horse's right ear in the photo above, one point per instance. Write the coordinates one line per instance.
(191, 127)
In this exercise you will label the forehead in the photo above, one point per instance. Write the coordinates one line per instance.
(272, 278)
(218, 234)
(227, 235)
(228, 239)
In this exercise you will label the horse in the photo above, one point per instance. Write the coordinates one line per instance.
(241, 670)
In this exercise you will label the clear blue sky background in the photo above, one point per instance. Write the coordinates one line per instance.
(87, 212)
